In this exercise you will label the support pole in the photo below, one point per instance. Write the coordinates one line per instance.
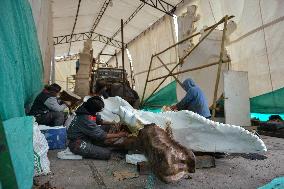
(219, 67)
(150, 65)
(177, 80)
(116, 61)
(189, 70)
(122, 56)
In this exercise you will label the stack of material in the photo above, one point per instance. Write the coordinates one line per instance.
(82, 78)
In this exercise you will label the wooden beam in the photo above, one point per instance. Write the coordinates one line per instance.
(219, 67)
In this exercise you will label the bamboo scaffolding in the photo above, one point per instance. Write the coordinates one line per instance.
(210, 28)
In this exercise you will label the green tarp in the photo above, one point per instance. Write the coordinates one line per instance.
(19, 132)
(21, 68)
(270, 103)
(21, 75)
(165, 96)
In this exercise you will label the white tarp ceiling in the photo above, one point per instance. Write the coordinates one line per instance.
(64, 14)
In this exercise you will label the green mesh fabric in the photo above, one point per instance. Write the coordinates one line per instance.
(269, 103)
(20, 58)
(21, 79)
(165, 96)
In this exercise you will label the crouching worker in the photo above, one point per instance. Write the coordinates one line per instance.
(194, 100)
(47, 108)
(86, 137)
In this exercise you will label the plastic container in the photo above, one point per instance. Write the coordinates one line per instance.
(55, 136)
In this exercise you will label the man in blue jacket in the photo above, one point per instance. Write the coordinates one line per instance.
(194, 100)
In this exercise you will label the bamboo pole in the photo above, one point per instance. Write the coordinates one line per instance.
(177, 80)
(215, 25)
(122, 57)
(191, 69)
(181, 61)
(219, 68)
(150, 65)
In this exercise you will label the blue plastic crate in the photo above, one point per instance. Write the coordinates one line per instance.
(55, 136)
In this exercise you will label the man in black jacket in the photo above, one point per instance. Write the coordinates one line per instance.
(86, 137)
(47, 109)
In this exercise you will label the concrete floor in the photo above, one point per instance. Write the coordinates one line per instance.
(230, 172)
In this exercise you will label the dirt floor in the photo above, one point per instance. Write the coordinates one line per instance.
(232, 171)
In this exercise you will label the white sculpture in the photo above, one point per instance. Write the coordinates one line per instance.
(189, 129)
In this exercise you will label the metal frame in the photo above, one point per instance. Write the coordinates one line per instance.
(220, 62)
(161, 5)
(75, 22)
(100, 15)
(126, 22)
(86, 35)
(68, 58)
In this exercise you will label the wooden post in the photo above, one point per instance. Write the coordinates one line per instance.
(150, 65)
(116, 61)
(122, 56)
(177, 80)
(219, 67)
(188, 70)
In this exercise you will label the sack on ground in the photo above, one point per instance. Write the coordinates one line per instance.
(41, 162)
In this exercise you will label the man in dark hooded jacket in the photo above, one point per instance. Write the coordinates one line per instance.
(194, 100)
(86, 137)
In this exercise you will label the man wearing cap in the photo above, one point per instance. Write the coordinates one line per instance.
(86, 137)
(47, 109)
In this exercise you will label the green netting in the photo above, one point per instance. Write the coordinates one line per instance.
(21, 64)
(21, 78)
(165, 96)
(269, 103)
(22, 155)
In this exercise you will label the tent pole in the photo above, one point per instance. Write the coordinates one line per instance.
(116, 61)
(122, 56)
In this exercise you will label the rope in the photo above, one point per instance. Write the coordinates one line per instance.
(212, 11)
(268, 62)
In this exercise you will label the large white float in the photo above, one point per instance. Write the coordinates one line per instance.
(189, 129)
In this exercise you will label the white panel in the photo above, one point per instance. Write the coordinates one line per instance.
(42, 15)
(236, 93)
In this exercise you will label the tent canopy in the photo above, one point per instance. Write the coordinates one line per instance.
(88, 11)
